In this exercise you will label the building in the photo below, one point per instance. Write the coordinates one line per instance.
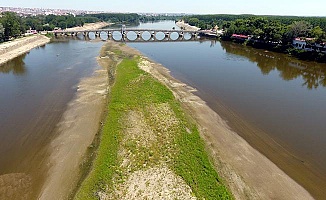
(308, 44)
(239, 38)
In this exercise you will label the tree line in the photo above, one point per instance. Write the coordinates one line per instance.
(269, 32)
(13, 26)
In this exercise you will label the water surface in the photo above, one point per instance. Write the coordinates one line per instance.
(34, 91)
(282, 97)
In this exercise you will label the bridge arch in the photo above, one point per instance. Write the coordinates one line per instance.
(103, 35)
(174, 36)
(187, 36)
(159, 35)
(132, 35)
(92, 35)
(117, 36)
(146, 36)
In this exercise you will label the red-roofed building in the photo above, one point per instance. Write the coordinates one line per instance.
(240, 37)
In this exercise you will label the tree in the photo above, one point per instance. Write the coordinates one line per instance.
(2, 30)
(11, 25)
(193, 21)
(299, 29)
(317, 33)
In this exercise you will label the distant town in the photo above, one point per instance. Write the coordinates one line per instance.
(46, 11)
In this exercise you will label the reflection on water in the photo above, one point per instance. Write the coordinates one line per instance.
(16, 66)
(312, 74)
(274, 93)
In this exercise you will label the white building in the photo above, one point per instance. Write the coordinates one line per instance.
(299, 43)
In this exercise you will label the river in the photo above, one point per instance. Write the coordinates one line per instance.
(34, 93)
(279, 99)
(275, 102)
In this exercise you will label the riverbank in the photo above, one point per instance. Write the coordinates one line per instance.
(15, 48)
(12, 49)
(89, 26)
(185, 26)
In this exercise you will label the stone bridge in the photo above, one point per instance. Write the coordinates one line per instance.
(135, 35)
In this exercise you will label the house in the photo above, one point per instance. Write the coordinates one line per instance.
(301, 43)
(30, 32)
(239, 37)
(304, 44)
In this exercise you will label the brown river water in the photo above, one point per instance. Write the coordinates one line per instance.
(34, 93)
(275, 102)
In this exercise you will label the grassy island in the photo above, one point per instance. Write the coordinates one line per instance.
(149, 147)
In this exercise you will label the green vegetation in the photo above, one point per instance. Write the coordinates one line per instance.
(10, 25)
(222, 19)
(13, 26)
(176, 142)
(269, 32)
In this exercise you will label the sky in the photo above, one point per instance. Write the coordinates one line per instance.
(258, 7)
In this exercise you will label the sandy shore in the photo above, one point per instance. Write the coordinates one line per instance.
(185, 26)
(90, 26)
(12, 49)
(15, 48)
(249, 174)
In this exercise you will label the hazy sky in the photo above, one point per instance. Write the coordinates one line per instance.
(265, 7)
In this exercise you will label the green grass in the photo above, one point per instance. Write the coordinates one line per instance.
(189, 160)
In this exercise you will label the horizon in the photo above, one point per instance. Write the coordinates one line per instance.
(204, 7)
(103, 11)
